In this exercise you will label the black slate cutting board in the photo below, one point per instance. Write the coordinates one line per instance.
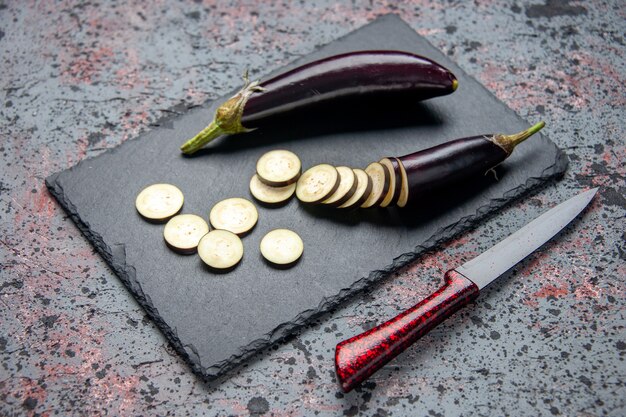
(217, 320)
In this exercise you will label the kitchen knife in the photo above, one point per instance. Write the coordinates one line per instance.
(357, 358)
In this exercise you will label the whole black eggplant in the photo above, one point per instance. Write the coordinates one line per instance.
(350, 75)
(454, 161)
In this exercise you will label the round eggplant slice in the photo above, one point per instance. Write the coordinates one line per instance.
(403, 198)
(183, 232)
(380, 184)
(268, 194)
(395, 182)
(278, 168)
(159, 202)
(220, 249)
(236, 215)
(363, 190)
(348, 183)
(317, 183)
(282, 247)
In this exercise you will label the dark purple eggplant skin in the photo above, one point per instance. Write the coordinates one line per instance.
(459, 160)
(355, 74)
(370, 75)
(450, 163)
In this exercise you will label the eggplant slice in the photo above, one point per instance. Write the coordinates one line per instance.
(159, 202)
(220, 249)
(364, 188)
(317, 183)
(183, 232)
(281, 247)
(268, 194)
(348, 183)
(279, 168)
(380, 184)
(236, 215)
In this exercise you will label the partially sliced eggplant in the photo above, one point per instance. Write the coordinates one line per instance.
(380, 184)
(268, 194)
(159, 202)
(317, 183)
(220, 249)
(364, 188)
(183, 232)
(459, 160)
(279, 168)
(348, 183)
(282, 247)
(404, 190)
(236, 215)
(395, 182)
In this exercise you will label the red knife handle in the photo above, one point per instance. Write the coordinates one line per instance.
(357, 358)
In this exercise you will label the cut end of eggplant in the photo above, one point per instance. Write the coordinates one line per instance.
(282, 247)
(270, 195)
(395, 182)
(237, 215)
(220, 249)
(455, 84)
(404, 190)
(317, 183)
(159, 202)
(509, 142)
(279, 168)
(183, 232)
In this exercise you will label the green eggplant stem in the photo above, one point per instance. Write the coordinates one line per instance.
(509, 142)
(212, 131)
(227, 120)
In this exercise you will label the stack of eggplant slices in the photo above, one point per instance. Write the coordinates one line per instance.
(376, 76)
(380, 184)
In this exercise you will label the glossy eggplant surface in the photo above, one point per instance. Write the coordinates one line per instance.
(458, 160)
(363, 73)
(355, 75)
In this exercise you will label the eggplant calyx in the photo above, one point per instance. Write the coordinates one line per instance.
(228, 115)
(227, 120)
(509, 142)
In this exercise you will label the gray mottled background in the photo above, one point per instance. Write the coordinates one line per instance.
(80, 77)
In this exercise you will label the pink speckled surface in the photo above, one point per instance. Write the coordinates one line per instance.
(77, 78)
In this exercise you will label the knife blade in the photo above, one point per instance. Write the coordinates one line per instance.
(357, 358)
